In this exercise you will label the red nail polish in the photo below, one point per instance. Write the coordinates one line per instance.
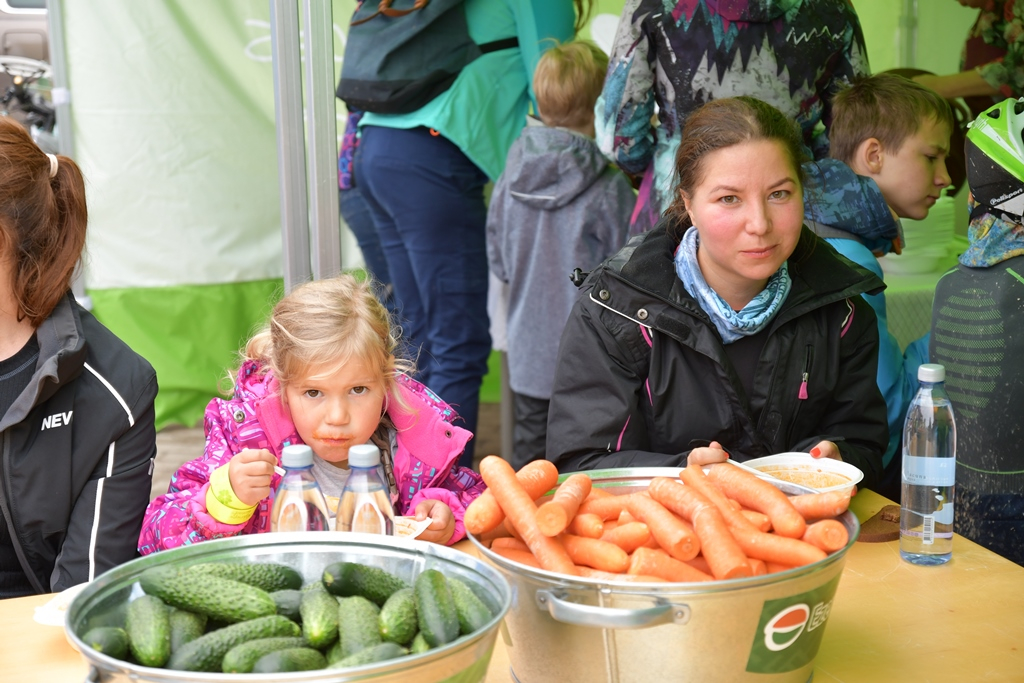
(815, 452)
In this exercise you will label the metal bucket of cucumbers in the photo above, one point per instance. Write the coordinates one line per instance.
(760, 629)
(313, 606)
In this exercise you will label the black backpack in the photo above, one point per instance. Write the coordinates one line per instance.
(400, 54)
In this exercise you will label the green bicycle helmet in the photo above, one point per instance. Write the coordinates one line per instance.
(995, 159)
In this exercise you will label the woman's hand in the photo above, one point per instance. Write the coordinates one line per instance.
(826, 449)
(250, 472)
(707, 455)
(442, 521)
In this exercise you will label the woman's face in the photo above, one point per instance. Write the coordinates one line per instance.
(748, 210)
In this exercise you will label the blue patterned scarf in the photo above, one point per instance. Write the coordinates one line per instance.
(731, 325)
(994, 239)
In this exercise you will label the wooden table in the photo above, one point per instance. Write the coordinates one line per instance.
(891, 622)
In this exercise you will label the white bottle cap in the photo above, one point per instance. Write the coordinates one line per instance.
(931, 372)
(364, 455)
(299, 455)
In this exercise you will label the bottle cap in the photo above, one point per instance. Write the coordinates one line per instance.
(364, 455)
(299, 455)
(931, 372)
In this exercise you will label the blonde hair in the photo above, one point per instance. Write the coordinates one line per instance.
(324, 324)
(567, 83)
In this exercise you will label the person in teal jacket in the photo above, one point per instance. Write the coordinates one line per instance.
(423, 176)
(889, 141)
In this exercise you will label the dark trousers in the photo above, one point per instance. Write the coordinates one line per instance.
(530, 432)
(356, 215)
(426, 199)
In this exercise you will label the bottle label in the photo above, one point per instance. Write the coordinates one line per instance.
(919, 471)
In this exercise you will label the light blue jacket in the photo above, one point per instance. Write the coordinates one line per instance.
(485, 109)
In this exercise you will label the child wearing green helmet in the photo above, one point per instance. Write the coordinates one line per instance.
(977, 320)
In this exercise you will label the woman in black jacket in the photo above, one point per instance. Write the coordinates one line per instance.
(77, 437)
(729, 328)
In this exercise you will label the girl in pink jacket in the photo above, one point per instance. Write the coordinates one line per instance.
(322, 372)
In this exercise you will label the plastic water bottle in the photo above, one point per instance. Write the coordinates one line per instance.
(929, 471)
(365, 502)
(299, 503)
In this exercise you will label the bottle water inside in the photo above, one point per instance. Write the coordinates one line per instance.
(365, 502)
(929, 469)
(299, 503)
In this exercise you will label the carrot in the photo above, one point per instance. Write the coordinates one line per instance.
(672, 533)
(717, 545)
(609, 576)
(598, 493)
(609, 524)
(693, 476)
(520, 556)
(629, 536)
(497, 532)
(828, 534)
(757, 566)
(822, 505)
(659, 563)
(520, 509)
(587, 524)
(774, 548)
(626, 518)
(591, 552)
(759, 495)
(605, 508)
(758, 519)
(775, 567)
(700, 563)
(484, 513)
(510, 530)
(554, 516)
(512, 543)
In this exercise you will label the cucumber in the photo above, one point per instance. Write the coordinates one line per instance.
(357, 625)
(473, 613)
(349, 578)
(185, 627)
(319, 611)
(241, 658)
(266, 575)
(419, 644)
(334, 652)
(293, 659)
(288, 601)
(397, 619)
(439, 620)
(378, 653)
(148, 625)
(206, 653)
(222, 599)
(109, 640)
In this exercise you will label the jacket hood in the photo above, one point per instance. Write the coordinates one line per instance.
(838, 198)
(754, 11)
(548, 168)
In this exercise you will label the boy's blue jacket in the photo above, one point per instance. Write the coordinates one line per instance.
(850, 213)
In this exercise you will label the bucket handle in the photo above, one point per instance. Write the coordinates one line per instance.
(562, 610)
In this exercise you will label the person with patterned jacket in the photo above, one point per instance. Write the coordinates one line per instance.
(666, 63)
(322, 373)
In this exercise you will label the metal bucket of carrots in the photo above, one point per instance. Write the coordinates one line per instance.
(572, 622)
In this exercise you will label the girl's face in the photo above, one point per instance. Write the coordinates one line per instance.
(748, 211)
(335, 408)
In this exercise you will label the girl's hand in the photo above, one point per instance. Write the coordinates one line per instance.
(442, 521)
(826, 449)
(707, 455)
(250, 472)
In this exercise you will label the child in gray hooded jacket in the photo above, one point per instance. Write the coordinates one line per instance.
(557, 206)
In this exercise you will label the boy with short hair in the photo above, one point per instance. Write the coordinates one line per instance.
(557, 206)
(889, 141)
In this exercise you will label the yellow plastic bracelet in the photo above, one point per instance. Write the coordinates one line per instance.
(221, 501)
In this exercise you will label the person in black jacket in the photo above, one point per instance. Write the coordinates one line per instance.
(77, 436)
(729, 328)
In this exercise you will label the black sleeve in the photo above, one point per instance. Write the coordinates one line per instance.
(594, 419)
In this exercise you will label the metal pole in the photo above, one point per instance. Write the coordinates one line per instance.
(291, 144)
(908, 34)
(321, 125)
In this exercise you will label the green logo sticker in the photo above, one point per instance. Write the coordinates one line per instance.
(790, 630)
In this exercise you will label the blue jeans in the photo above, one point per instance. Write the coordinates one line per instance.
(356, 215)
(426, 198)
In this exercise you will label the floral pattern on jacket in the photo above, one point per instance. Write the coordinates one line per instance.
(425, 461)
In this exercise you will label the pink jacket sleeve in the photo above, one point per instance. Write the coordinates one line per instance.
(449, 498)
(179, 517)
